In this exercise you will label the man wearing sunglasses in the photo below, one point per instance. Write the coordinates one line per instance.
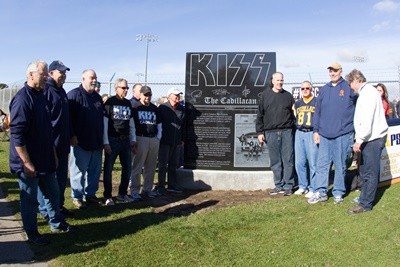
(119, 141)
(334, 132)
(305, 150)
(148, 135)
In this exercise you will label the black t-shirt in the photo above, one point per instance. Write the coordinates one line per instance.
(118, 112)
(146, 120)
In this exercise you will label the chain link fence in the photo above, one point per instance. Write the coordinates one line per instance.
(389, 77)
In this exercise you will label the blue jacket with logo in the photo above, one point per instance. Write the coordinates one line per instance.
(334, 110)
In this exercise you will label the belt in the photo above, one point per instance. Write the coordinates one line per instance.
(147, 135)
(306, 130)
(121, 137)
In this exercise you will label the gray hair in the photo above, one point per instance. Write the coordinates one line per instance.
(33, 66)
(87, 70)
(117, 81)
(272, 77)
(355, 75)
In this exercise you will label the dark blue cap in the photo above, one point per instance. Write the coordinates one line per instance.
(58, 65)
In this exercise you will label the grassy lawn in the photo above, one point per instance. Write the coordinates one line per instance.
(282, 231)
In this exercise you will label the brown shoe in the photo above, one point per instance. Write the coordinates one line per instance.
(79, 204)
(356, 210)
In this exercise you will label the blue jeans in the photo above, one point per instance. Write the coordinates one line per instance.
(121, 148)
(28, 200)
(369, 171)
(84, 171)
(305, 154)
(62, 178)
(280, 148)
(338, 151)
(168, 160)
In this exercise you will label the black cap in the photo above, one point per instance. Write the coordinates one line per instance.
(58, 65)
(145, 89)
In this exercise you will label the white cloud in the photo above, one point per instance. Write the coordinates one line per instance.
(346, 55)
(386, 6)
(289, 65)
(380, 26)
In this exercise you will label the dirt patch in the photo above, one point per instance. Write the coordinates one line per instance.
(173, 204)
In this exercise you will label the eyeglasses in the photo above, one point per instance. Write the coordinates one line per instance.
(305, 88)
(123, 87)
(147, 94)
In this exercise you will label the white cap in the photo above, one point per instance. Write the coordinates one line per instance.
(174, 91)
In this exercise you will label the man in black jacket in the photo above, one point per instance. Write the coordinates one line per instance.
(274, 125)
(173, 123)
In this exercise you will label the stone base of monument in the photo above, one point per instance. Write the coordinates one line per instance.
(225, 180)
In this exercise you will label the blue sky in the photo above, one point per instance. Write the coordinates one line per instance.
(307, 35)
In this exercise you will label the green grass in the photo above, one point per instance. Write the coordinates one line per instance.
(277, 232)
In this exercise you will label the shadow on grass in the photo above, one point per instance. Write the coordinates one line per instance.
(98, 234)
(95, 235)
(98, 225)
(9, 187)
(379, 193)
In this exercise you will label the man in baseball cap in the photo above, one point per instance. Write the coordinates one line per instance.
(173, 121)
(334, 132)
(58, 65)
(335, 66)
(174, 91)
(97, 87)
(58, 106)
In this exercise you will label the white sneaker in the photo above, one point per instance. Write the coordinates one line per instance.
(136, 196)
(109, 202)
(125, 198)
(309, 194)
(300, 191)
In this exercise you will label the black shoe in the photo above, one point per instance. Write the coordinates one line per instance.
(288, 192)
(67, 213)
(175, 190)
(276, 191)
(160, 191)
(64, 227)
(37, 239)
(93, 200)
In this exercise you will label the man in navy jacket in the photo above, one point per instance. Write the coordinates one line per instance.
(57, 102)
(172, 115)
(334, 132)
(86, 118)
(32, 154)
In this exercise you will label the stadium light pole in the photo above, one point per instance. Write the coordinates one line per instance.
(148, 38)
